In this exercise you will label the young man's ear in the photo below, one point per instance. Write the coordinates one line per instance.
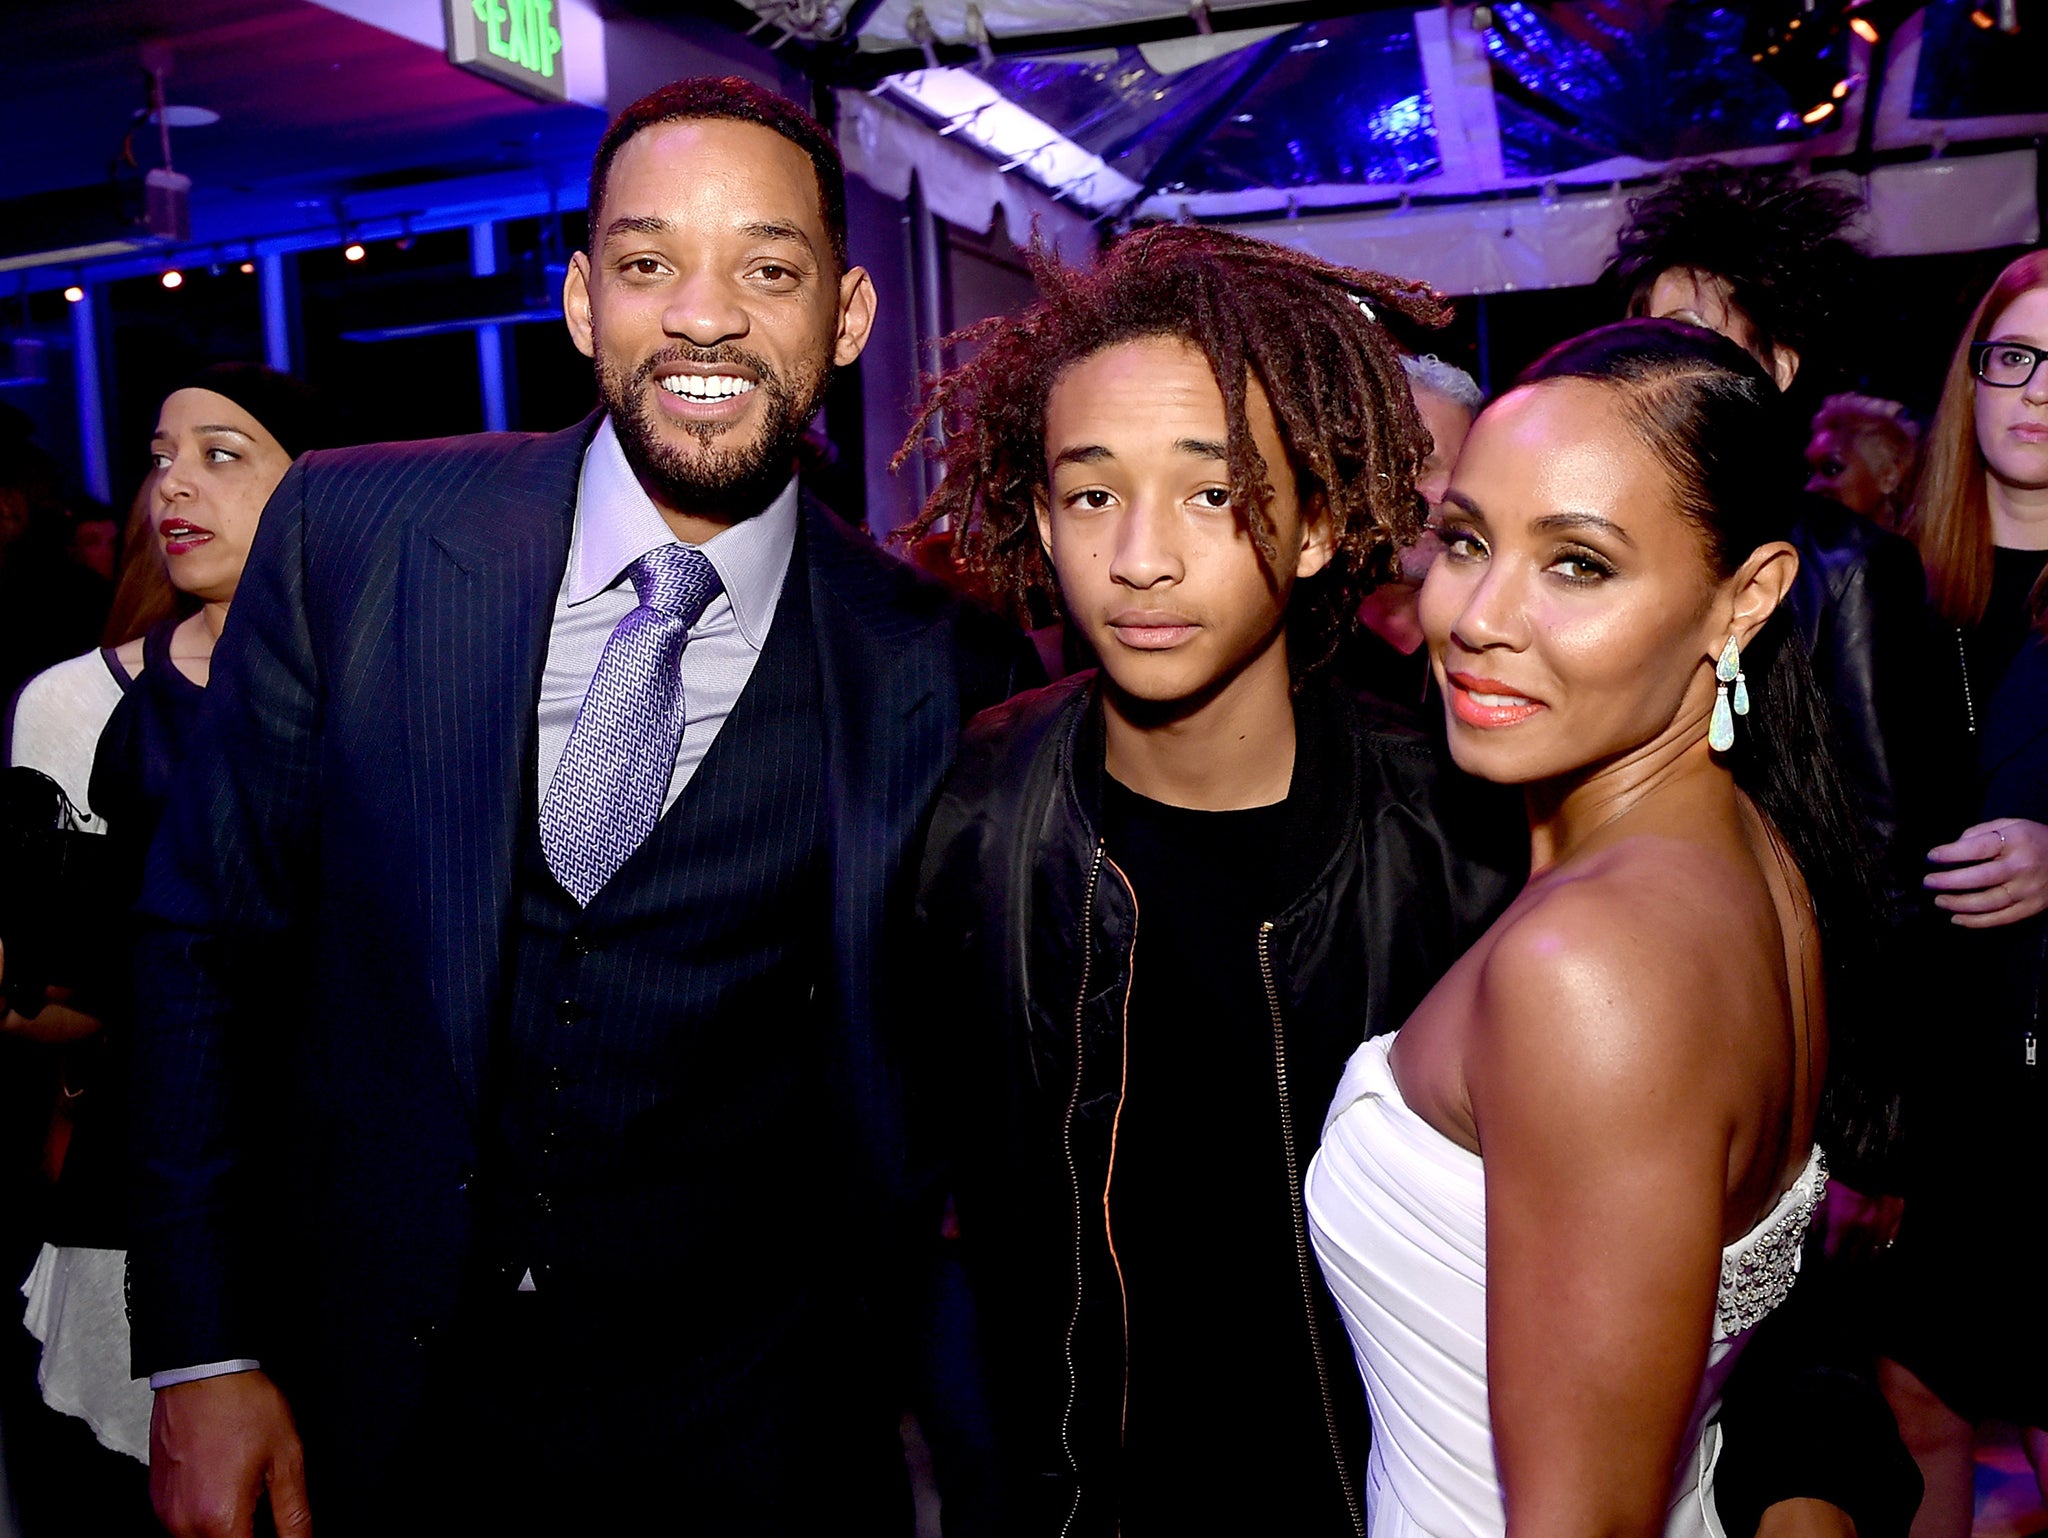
(1318, 537)
(1041, 509)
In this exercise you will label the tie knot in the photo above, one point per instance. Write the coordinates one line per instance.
(676, 581)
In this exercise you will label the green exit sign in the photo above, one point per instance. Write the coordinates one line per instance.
(514, 42)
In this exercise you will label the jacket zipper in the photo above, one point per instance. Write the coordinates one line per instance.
(1301, 1254)
(1074, 1180)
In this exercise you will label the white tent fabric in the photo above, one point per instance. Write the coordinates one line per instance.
(890, 25)
(887, 149)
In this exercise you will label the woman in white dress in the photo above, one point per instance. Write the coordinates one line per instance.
(1554, 1203)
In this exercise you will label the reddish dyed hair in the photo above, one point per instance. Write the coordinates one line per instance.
(1951, 515)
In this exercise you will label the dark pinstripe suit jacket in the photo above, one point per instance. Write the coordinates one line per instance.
(327, 910)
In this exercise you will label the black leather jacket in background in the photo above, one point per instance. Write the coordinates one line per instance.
(1860, 605)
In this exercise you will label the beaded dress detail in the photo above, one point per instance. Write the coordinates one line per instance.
(1398, 1215)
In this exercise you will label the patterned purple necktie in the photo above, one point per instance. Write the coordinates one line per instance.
(607, 791)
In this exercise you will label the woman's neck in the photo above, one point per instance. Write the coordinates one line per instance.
(2019, 514)
(1231, 751)
(1568, 815)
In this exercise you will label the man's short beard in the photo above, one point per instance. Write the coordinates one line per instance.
(724, 483)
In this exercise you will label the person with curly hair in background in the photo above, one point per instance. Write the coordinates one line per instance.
(1163, 901)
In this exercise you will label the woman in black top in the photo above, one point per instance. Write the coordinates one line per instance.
(221, 445)
(1963, 1339)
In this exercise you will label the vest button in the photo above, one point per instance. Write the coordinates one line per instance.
(567, 1012)
(543, 1203)
(558, 1078)
(579, 944)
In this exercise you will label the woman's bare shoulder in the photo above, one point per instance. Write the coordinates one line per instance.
(1610, 977)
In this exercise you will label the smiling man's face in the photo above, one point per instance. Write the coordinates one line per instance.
(714, 310)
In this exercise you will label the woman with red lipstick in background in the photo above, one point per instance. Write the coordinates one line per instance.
(1555, 1208)
(110, 728)
(1962, 1333)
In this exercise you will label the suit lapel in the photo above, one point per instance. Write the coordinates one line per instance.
(481, 576)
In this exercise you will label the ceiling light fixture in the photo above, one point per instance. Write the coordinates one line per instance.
(353, 252)
(74, 293)
(173, 279)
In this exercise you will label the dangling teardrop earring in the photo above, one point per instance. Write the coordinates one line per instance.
(1721, 730)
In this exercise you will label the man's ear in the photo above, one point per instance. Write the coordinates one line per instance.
(1784, 365)
(576, 304)
(1041, 509)
(856, 315)
(1890, 473)
(1318, 537)
(1759, 587)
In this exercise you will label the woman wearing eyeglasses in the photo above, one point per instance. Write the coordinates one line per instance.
(1963, 1335)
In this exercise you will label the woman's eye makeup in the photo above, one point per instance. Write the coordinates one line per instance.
(1460, 540)
(1578, 564)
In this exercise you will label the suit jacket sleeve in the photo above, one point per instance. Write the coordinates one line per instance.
(216, 919)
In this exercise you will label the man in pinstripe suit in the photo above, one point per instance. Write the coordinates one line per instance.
(519, 1140)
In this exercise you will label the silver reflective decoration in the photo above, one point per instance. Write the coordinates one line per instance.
(1757, 1273)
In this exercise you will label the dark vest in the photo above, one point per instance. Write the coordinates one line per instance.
(657, 1094)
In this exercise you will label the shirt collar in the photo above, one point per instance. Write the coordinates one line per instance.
(616, 523)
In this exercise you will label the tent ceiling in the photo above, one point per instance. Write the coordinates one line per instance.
(1447, 102)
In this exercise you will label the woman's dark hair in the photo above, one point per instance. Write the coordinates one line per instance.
(1304, 329)
(1716, 423)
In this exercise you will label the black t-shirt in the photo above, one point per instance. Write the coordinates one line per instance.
(1223, 1417)
(2006, 622)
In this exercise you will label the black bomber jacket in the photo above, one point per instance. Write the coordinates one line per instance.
(1030, 928)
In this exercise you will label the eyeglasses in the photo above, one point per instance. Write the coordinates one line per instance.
(2008, 365)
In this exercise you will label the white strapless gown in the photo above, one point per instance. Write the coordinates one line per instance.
(1398, 1215)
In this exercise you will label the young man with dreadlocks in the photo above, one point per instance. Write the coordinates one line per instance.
(1164, 901)
(1168, 898)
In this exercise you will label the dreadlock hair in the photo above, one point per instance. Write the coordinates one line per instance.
(1778, 242)
(1304, 328)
